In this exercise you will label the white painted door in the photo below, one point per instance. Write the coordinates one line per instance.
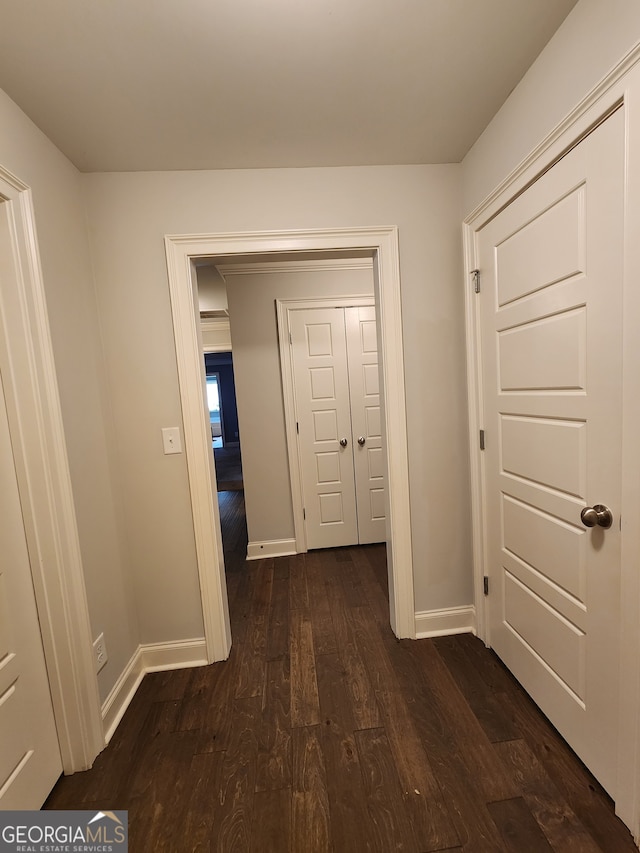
(551, 304)
(29, 754)
(321, 382)
(366, 425)
(337, 402)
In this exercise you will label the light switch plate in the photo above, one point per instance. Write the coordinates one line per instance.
(171, 440)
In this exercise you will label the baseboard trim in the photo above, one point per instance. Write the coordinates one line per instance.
(448, 620)
(271, 548)
(150, 657)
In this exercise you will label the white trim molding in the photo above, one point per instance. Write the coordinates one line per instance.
(448, 620)
(271, 548)
(150, 657)
(35, 421)
(619, 89)
(381, 244)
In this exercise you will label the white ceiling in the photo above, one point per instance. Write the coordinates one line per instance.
(123, 85)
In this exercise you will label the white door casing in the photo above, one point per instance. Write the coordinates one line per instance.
(41, 467)
(550, 323)
(382, 243)
(30, 760)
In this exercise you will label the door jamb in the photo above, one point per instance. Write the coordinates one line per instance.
(283, 307)
(382, 244)
(620, 88)
(42, 468)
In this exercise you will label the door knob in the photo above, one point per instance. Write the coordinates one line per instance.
(361, 440)
(598, 515)
(343, 442)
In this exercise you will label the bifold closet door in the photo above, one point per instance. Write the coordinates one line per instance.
(336, 391)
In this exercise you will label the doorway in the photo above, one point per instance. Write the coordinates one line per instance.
(382, 246)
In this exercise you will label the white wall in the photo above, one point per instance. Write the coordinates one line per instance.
(212, 291)
(64, 251)
(256, 364)
(128, 216)
(592, 39)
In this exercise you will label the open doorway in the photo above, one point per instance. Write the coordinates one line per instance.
(381, 244)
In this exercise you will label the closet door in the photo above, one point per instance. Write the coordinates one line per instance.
(368, 452)
(323, 411)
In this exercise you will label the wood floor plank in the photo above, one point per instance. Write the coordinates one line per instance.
(274, 738)
(200, 813)
(362, 695)
(553, 814)
(518, 827)
(489, 711)
(252, 668)
(305, 708)
(389, 816)
(271, 831)
(350, 826)
(470, 740)
(318, 577)
(232, 830)
(430, 816)
(461, 797)
(299, 594)
(278, 626)
(310, 819)
(578, 787)
(162, 791)
(217, 717)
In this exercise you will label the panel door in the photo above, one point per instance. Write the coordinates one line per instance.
(29, 754)
(366, 425)
(319, 354)
(551, 304)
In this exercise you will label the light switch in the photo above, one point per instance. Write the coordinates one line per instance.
(171, 440)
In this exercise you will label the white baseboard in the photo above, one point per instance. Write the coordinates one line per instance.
(449, 620)
(150, 657)
(271, 548)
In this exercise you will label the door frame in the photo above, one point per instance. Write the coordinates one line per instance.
(382, 246)
(283, 307)
(620, 89)
(44, 483)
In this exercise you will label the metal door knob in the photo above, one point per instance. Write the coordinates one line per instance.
(361, 440)
(596, 516)
(343, 442)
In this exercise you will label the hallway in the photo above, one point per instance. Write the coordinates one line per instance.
(322, 732)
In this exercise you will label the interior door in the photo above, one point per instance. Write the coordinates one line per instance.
(366, 425)
(30, 759)
(551, 304)
(323, 411)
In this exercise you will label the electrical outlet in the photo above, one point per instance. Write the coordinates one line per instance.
(100, 652)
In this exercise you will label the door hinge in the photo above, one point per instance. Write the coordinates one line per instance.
(476, 280)
(486, 585)
(481, 439)
(290, 339)
(297, 427)
(304, 514)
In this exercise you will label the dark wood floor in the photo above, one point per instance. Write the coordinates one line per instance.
(322, 732)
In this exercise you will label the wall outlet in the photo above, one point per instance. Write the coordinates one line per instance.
(100, 652)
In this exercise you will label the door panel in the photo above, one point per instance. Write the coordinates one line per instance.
(364, 384)
(29, 754)
(319, 352)
(551, 307)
